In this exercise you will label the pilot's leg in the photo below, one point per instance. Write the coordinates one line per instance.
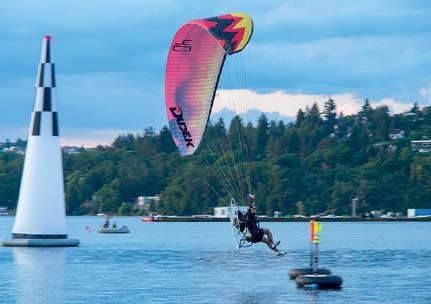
(269, 234)
(266, 241)
(269, 243)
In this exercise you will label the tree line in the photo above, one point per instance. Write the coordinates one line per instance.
(316, 164)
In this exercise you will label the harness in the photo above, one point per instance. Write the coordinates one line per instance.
(240, 222)
(243, 227)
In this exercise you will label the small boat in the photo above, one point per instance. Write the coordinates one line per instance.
(150, 218)
(122, 229)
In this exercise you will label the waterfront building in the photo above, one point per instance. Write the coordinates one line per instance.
(421, 146)
(418, 212)
(144, 202)
(221, 212)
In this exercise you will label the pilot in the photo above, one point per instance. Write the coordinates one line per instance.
(258, 234)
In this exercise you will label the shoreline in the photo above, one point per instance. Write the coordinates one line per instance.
(278, 219)
(185, 219)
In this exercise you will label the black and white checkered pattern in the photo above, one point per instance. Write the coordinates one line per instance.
(44, 116)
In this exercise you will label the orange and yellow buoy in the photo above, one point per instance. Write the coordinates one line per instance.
(315, 228)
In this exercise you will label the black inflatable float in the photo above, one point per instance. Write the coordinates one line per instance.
(321, 281)
(293, 273)
(313, 276)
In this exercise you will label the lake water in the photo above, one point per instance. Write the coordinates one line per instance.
(198, 263)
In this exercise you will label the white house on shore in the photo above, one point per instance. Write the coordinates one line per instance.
(221, 212)
(144, 202)
(421, 146)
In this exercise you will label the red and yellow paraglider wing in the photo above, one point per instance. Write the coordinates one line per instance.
(232, 31)
(195, 61)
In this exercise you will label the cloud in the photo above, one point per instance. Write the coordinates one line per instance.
(317, 20)
(277, 105)
(91, 138)
(288, 104)
(111, 56)
(425, 93)
(377, 67)
(110, 101)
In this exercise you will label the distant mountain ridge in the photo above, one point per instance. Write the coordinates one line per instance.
(251, 115)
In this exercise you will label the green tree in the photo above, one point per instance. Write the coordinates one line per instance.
(125, 209)
(261, 137)
(330, 115)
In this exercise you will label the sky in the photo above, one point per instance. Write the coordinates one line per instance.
(110, 60)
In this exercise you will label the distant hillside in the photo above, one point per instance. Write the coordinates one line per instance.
(316, 164)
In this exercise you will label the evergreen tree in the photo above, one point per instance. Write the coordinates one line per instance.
(300, 118)
(381, 122)
(312, 116)
(165, 143)
(261, 136)
(286, 163)
(330, 115)
(415, 108)
(366, 110)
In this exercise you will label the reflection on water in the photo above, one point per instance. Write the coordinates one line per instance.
(39, 274)
(197, 263)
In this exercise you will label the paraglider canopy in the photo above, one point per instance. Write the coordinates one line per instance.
(193, 68)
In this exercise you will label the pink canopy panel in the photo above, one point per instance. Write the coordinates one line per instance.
(193, 69)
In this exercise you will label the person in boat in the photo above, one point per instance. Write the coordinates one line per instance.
(114, 226)
(106, 223)
(258, 234)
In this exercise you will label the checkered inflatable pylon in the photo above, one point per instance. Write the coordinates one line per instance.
(45, 117)
(41, 208)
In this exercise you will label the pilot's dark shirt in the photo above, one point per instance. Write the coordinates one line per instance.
(252, 222)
